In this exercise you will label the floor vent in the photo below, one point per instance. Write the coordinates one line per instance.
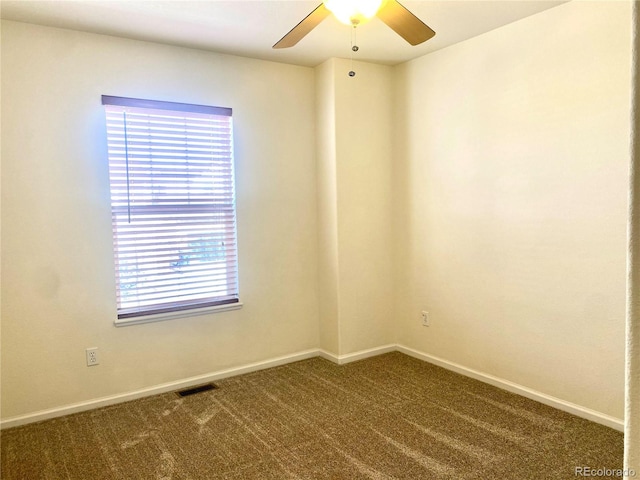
(198, 389)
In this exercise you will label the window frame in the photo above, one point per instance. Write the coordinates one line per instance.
(159, 310)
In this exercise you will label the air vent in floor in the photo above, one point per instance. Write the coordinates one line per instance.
(198, 389)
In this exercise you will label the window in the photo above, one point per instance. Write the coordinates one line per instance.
(173, 207)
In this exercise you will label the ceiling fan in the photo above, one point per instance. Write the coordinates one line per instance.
(356, 12)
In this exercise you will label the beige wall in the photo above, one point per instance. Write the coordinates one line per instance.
(328, 292)
(364, 166)
(57, 284)
(512, 191)
(354, 178)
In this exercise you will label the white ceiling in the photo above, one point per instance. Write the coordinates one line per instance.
(250, 28)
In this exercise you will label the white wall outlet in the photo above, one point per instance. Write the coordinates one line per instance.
(92, 356)
(426, 321)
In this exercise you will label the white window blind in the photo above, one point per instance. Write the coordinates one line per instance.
(172, 204)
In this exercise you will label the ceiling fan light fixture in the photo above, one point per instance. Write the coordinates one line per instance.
(353, 12)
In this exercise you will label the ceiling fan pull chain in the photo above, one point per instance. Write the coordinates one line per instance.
(354, 48)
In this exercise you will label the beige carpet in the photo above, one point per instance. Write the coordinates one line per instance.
(386, 417)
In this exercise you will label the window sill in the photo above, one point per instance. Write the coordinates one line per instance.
(160, 317)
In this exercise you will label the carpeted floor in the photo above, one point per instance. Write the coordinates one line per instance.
(387, 417)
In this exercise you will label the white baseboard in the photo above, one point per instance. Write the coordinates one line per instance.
(560, 404)
(361, 355)
(579, 411)
(154, 390)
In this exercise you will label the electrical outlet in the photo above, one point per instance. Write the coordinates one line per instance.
(426, 321)
(92, 356)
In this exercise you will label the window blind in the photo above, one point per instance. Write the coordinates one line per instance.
(173, 205)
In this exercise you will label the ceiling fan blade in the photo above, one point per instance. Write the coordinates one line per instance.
(309, 22)
(404, 23)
